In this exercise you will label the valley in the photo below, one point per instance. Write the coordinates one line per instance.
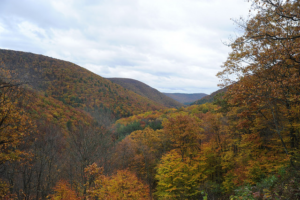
(67, 133)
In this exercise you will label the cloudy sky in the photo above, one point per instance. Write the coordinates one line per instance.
(171, 45)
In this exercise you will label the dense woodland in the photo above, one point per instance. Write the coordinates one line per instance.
(66, 133)
(146, 91)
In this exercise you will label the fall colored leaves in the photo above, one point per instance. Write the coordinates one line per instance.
(266, 60)
(14, 123)
(246, 145)
(122, 185)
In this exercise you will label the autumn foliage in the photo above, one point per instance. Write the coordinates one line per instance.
(14, 122)
(122, 185)
(57, 141)
(74, 85)
(63, 191)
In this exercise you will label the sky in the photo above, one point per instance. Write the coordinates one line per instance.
(171, 45)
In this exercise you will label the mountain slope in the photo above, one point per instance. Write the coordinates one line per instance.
(185, 98)
(146, 91)
(74, 85)
(209, 98)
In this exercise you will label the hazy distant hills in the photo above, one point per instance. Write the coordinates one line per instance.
(74, 85)
(186, 98)
(209, 98)
(146, 91)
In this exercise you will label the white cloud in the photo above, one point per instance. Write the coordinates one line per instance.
(172, 45)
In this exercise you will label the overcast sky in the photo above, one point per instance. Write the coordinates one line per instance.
(171, 45)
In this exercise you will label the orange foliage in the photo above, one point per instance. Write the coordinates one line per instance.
(63, 191)
(184, 132)
(123, 185)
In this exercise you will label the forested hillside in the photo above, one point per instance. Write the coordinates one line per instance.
(40, 141)
(54, 122)
(146, 91)
(210, 98)
(243, 145)
(73, 85)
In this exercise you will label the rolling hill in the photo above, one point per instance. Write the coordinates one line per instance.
(185, 98)
(146, 91)
(73, 85)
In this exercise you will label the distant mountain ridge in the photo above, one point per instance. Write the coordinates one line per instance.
(209, 98)
(146, 91)
(186, 98)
